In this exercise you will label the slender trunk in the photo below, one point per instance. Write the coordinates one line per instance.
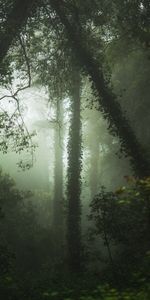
(43, 164)
(110, 257)
(58, 179)
(94, 163)
(108, 246)
(74, 179)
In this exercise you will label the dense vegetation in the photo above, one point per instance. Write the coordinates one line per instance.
(75, 154)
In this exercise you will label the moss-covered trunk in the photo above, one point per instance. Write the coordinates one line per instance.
(74, 178)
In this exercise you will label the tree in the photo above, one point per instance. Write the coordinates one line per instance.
(74, 176)
(58, 220)
(109, 106)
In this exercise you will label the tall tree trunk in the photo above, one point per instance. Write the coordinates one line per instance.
(109, 106)
(94, 164)
(93, 130)
(74, 178)
(58, 180)
(43, 162)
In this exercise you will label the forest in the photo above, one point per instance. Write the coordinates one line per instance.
(74, 150)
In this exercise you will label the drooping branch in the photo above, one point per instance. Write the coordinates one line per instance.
(14, 133)
(27, 62)
(13, 128)
(108, 103)
(16, 116)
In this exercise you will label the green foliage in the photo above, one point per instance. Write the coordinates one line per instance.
(121, 218)
(104, 292)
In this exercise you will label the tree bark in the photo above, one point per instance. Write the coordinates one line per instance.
(74, 179)
(58, 181)
(94, 166)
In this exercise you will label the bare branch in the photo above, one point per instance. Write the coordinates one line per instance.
(22, 43)
(25, 135)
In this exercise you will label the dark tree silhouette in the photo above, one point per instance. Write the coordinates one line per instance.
(15, 20)
(74, 178)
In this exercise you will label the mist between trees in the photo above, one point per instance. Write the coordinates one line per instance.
(74, 150)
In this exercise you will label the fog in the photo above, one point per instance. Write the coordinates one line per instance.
(74, 150)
